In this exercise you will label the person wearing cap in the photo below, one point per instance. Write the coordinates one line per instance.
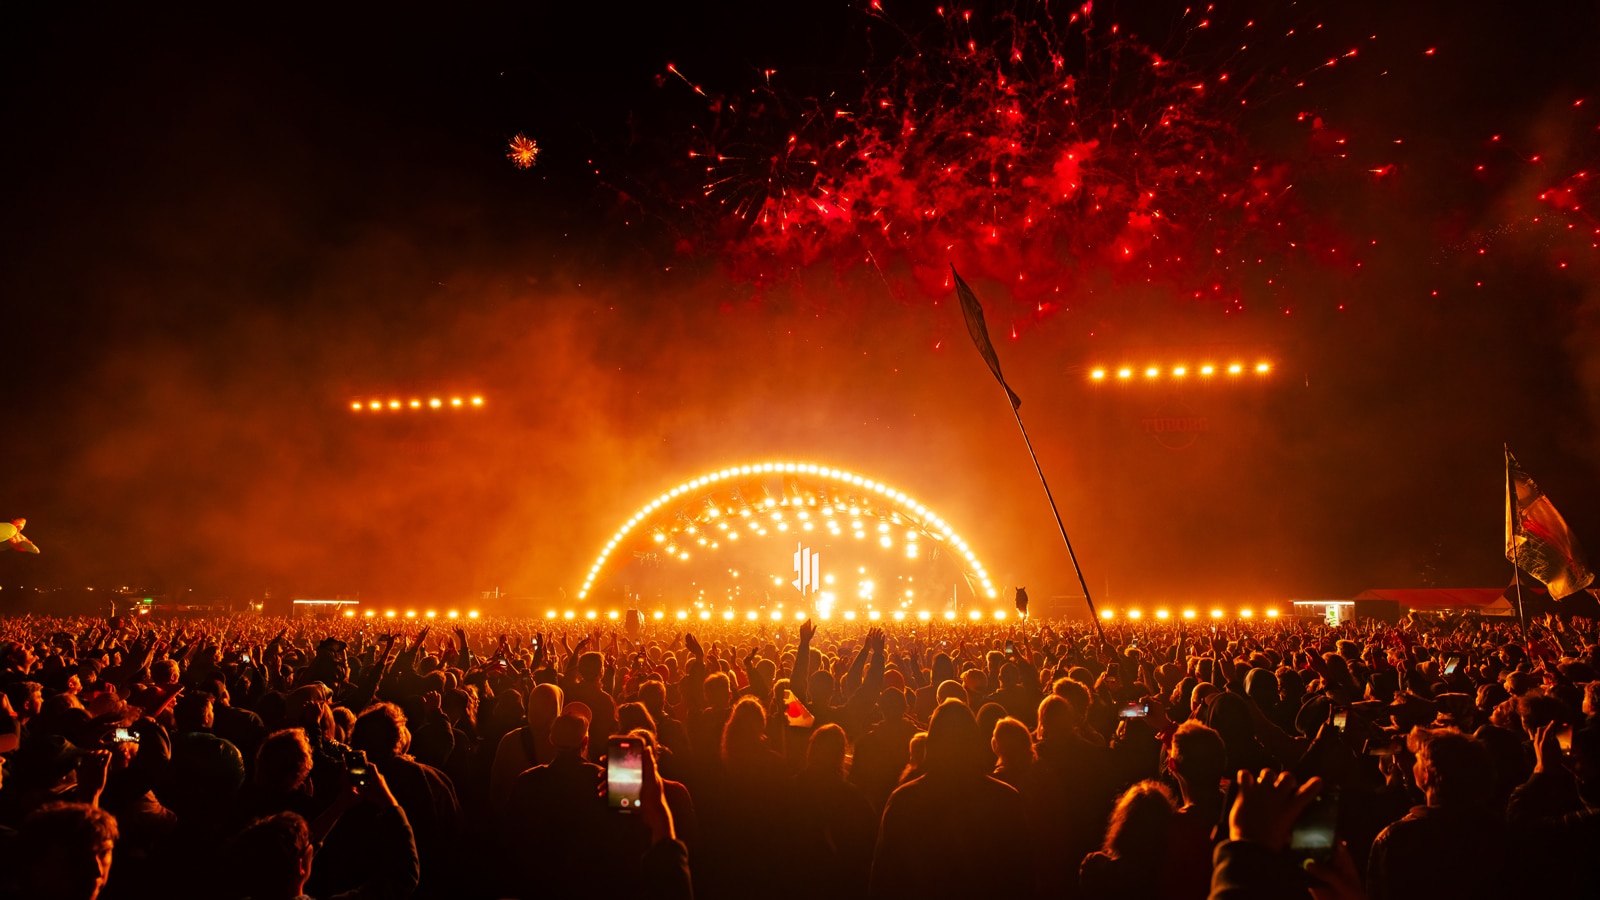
(557, 810)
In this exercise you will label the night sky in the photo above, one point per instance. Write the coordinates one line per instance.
(223, 226)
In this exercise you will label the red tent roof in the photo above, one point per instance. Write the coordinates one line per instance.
(1480, 599)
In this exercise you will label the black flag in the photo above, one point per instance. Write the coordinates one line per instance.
(1022, 600)
(972, 310)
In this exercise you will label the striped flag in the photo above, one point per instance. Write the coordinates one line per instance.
(1537, 538)
(972, 311)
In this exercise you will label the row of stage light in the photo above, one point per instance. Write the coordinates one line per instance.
(410, 614)
(1126, 373)
(414, 404)
(1164, 614)
(778, 615)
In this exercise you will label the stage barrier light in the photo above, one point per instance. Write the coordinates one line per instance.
(1107, 614)
(1188, 614)
(591, 615)
(411, 614)
(1162, 614)
(1272, 613)
(1246, 613)
(1000, 615)
(1216, 614)
(923, 615)
(1134, 614)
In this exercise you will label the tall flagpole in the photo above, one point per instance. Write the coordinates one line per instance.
(1513, 508)
(972, 311)
(1059, 526)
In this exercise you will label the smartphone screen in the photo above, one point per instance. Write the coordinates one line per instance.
(124, 735)
(1564, 739)
(1011, 650)
(1450, 665)
(1134, 710)
(1313, 835)
(624, 773)
(1340, 717)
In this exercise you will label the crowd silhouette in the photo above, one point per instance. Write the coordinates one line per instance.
(273, 759)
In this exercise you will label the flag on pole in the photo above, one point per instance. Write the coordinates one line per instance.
(1537, 538)
(972, 311)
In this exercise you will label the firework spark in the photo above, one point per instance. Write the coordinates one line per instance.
(524, 152)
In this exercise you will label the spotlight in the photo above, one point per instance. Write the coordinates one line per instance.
(1208, 370)
(1124, 373)
(950, 615)
(370, 613)
(591, 615)
(1152, 372)
(777, 615)
(1246, 613)
(799, 615)
(356, 406)
(1107, 614)
(1235, 369)
(1188, 614)
(1098, 374)
(349, 614)
(682, 614)
(1272, 613)
(1000, 615)
(550, 614)
(394, 404)
(411, 614)
(388, 614)
(899, 615)
(1179, 371)
(453, 614)
(658, 615)
(1135, 614)
(727, 615)
(1162, 614)
(1262, 368)
(375, 405)
(416, 404)
(1216, 614)
(477, 401)
(435, 403)
(569, 614)
(612, 615)
(430, 614)
(455, 401)
(873, 614)
(750, 616)
(705, 615)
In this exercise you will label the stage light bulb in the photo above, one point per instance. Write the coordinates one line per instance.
(923, 615)
(1235, 369)
(1246, 613)
(1262, 368)
(799, 615)
(975, 615)
(455, 401)
(899, 615)
(430, 614)
(806, 526)
(1124, 373)
(1207, 370)
(1000, 615)
(394, 404)
(550, 614)
(416, 404)
(388, 614)
(849, 615)
(727, 614)
(1107, 614)
(682, 614)
(349, 614)
(1179, 371)
(750, 616)
(477, 401)
(1188, 614)
(569, 614)
(1272, 613)
(885, 541)
(1152, 372)
(591, 615)
(1135, 614)
(435, 403)
(370, 613)
(612, 615)
(777, 615)
(873, 614)
(1163, 614)
(1216, 614)
(705, 615)
(411, 614)
(356, 406)
(375, 405)
(950, 615)
(1098, 374)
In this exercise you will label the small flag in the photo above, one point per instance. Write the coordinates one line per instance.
(972, 311)
(11, 533)
(1022, 600)
(1537, 538)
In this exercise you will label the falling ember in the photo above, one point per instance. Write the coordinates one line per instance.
(524, 152)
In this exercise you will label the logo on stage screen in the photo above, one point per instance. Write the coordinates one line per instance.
(807, 569)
